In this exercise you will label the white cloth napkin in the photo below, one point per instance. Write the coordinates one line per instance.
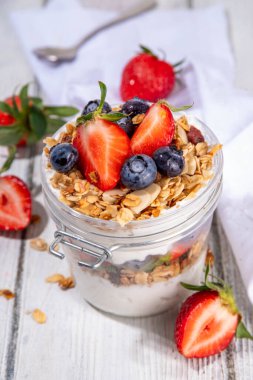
(236, 205)
(201, 36)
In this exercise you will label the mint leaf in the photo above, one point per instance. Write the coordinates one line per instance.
(11, 155)
(63, 111)
(4, 107)
(38, 124)
(103, 91)
(11, 134)
(114, 116)
(242, 332)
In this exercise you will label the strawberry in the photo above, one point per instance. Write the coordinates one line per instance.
(208, 320)
(102, 145)
(6, 119)
(25, 119)
(156, 130)
(15, 204)
(147, 77)
(178, 251)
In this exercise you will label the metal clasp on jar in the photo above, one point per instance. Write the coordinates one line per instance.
(101, 253)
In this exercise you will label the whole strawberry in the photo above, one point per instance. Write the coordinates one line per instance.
(147, 77)
(24, 119)
(208, 320)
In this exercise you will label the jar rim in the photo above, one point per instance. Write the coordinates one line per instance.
(174, 212)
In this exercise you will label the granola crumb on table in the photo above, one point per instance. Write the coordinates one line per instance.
(123, 205)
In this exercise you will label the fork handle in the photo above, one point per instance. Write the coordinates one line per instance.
(146, 5)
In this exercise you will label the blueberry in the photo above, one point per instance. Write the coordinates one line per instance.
(135, 106)
(63, 157)
(138, 172)
(169, 160)
(127, 125)
(93, 105)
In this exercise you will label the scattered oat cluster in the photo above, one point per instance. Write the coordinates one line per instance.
(124, 205)
(63, 282)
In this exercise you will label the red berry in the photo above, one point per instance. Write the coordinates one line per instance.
(147, 77)
(6, 119)
(204, 326)
(195, 136)
(156, 130)
(15, 204)
(103, 147)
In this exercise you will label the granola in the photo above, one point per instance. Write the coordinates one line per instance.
(153, 269)
(76, 192)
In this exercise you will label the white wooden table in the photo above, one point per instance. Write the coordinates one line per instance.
(78, 342)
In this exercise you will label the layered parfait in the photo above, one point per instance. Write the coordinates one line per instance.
(125, 164)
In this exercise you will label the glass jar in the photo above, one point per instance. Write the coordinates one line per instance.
(136, 270)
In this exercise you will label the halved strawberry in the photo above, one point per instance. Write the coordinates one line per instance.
(204, 325)
(208, 320)
(178, 251)
(103, 147)
(15, 204)
(156, 130)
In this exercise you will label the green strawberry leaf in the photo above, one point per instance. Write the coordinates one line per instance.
(177, 109)
(242, 332)
(179, 63)
(24, 96)
(36, 101)
(11, 155)
(15, 108)
(10, 135)
(53, 124)
(197, 288)
(146, 50)
(63, 111)
(38, 124)
(4, 107)
(113, 116)
(103, 91)
(207, 272)
(82, 119)
(172, 108)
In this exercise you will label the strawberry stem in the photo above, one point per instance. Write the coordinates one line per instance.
(103, 91)
(146, 50)
(11, 155)
(242, 332)
(172, 108)
(179, 63)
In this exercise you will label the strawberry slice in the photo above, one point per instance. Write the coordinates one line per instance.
(15, 204)
(156, 130)
(209, 319)
(204, 326)
(103, 147)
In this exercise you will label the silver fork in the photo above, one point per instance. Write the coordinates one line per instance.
(56, 55)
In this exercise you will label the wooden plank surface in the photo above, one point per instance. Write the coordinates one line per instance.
(78, 342)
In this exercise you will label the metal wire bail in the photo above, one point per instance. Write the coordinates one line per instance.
(101, 254)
